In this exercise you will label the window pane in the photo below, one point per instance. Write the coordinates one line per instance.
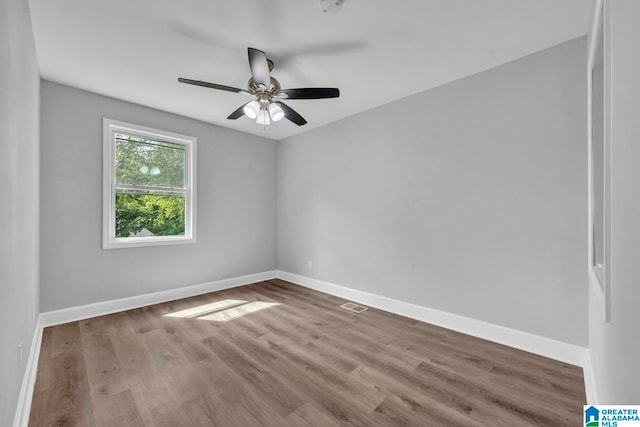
(141, 161)
(152, 213)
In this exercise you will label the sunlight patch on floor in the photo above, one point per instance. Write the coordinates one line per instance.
(206, 308)
(222, 311)
(238, 311)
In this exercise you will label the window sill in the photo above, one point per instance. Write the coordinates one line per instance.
(136, 242)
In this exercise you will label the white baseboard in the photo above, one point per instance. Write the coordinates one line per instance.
(547, 347)
(590, 381)
(23, 409)
(72, 314)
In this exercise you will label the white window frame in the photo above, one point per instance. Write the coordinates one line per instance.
(109, 239)
(600, 274)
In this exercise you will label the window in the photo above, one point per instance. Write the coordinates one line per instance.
(599, 107)
(149, 186)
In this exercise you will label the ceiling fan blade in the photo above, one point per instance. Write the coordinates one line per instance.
(311, 93)
(259, 67)
(238, 113)
(212, 85)
(291, 114)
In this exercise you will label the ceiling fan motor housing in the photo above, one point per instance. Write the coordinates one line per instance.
(267, 105)
(255, 88)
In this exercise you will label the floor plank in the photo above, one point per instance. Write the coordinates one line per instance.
(299, 360)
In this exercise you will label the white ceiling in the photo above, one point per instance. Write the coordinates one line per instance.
(375, 51)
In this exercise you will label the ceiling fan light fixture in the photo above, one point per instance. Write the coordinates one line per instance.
(263, 117)
(267, 105)
(252, 109)
(276, 113)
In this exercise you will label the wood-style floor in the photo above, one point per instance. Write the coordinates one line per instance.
(300, 361)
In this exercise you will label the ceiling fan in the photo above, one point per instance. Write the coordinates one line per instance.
(267, 105)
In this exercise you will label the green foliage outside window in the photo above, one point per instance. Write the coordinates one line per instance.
(160, 166)
(161, 215)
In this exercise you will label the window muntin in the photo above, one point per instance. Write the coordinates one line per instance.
(149, 186)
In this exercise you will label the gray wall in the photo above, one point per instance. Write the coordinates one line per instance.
(236, 176)
(19, 186)
(615, 348)
(467, 198)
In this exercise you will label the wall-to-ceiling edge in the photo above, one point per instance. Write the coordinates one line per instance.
(514, 337)
(236, 197)
(468, 198)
